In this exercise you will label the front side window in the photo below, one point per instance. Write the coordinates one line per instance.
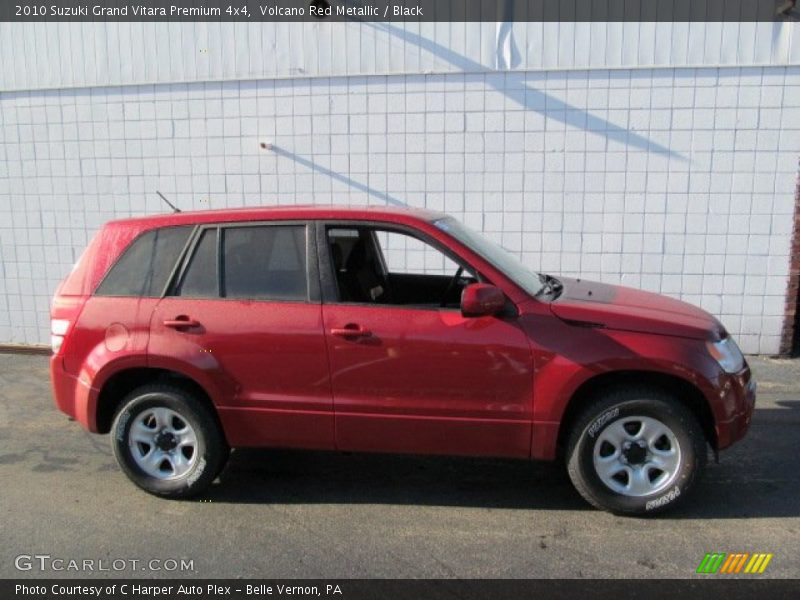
(145, 266)
(406, 254)
(373, 265)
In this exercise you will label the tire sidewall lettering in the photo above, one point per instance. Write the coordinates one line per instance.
(601, 421)
(665, 499)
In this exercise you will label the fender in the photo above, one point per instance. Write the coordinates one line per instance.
(575, 376)
(89, 385)
(566, 357)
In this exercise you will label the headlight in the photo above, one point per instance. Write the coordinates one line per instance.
(727, 354)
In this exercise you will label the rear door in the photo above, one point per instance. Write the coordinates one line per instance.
(245, 316)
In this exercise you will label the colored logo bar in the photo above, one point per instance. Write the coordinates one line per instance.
(736, 562)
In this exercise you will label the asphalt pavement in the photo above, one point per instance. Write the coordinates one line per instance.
(292, 514)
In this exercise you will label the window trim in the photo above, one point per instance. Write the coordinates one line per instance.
(313, 295)
(181, 256)
(174, 288)
(329, 283)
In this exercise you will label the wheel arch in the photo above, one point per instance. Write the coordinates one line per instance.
(686, 392)
(117, 387)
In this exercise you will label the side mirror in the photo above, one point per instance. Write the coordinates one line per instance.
(481, 300)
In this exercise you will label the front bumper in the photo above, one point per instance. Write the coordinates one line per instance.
(738, 395)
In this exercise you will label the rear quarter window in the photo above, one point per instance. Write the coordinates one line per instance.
(145, 266)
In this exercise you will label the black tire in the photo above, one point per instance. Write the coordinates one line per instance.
(209, 452)
(622, 407)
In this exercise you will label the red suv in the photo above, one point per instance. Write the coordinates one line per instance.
(383, 330)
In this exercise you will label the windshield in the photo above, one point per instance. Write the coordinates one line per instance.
(499, 257)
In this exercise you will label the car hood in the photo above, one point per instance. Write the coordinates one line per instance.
(589, 303)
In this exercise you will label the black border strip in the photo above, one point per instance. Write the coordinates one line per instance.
(414, 589)
(399, 10)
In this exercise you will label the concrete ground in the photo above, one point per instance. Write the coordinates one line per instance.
(280, 514)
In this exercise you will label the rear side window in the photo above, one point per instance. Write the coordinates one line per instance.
(265, 263)
(144, 268)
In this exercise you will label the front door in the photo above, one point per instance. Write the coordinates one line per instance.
(409, 373)
(243, 317)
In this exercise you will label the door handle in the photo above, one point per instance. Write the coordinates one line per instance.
(351, 330)
(181, 322)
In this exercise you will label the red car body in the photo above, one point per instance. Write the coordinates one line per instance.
(425, 381)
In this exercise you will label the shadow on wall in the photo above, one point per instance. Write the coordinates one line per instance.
(528, 97)
(362, 187)
(514, 88)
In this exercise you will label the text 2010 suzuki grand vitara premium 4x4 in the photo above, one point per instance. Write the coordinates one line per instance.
(383, 330)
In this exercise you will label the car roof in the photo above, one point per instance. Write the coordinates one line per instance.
(282, 213)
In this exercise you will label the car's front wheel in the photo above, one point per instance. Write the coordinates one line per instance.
(635, 451)
(167, 442)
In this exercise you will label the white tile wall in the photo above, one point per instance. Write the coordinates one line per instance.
(679, 181)
(59, 55)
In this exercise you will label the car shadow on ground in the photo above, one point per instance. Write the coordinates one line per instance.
(303, 477)
(756, 478)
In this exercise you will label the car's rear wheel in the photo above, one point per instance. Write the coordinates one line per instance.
(168, 442)
(635, 451)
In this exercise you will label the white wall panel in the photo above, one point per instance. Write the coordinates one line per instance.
(794, 53)
(58, 55)
(676, 181)
(611, 164)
